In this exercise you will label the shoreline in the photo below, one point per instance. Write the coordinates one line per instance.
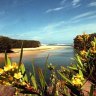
(31, 51)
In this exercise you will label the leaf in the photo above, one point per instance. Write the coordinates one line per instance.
(54, 89)
(74, 90)
(23, 71)
(34, 81)
(65, 78)
(41, 78)
(74, 67)
(22, 68)
(33, 77)
(25, 78)
(7, 60)
(79, 61)
(80, 72)
(91, 90)
(46, 64)
(95, 40)
(33, 68)
(21, 55)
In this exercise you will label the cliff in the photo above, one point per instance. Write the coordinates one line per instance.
(6, 44)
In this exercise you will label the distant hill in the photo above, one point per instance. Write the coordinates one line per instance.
(6, 44)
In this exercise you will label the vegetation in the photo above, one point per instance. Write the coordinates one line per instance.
(6, 44)
(83, 41)
(63, 82)
(87, 56)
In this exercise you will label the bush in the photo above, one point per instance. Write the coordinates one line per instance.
(83, 42)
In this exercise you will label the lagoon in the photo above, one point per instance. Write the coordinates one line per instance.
(58, 57)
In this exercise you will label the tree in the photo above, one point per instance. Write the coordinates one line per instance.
(5, 44)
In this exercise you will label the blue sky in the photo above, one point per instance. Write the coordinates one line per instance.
(49, 21)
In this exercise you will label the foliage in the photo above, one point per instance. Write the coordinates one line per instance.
(87, 62)
(83, 42)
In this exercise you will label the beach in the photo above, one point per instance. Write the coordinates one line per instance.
(31, 51)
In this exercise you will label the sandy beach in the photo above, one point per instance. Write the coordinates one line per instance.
(31, 51)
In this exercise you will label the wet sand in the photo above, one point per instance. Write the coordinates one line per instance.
(31, 51)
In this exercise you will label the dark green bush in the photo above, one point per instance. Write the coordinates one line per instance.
(5, 44)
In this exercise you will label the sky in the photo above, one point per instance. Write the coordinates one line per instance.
(49, 21)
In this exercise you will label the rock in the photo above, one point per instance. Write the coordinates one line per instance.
(6, 90)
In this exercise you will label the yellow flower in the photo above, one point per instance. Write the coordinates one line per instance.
(86, 36)
(18, 75)
(6, 83)
(10, 78)
(23, 83)
(8, 67)
(14, 64)
(93, 43)
(1, 71)
(77, 80)
(92, 50)
(80, 38)
(83, 52)
(79, 76)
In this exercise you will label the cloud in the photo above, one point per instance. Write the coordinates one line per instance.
(57, 32)
(68, 32)
(54, 9)
(89, 28)
(77, 5)
(62, 2)
(37, 37)
(92, 4)
(43, 33)
(75, 2)
(54, 25)
(84, 15)
(92, 17)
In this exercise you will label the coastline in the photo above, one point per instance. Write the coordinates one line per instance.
(32, 51)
